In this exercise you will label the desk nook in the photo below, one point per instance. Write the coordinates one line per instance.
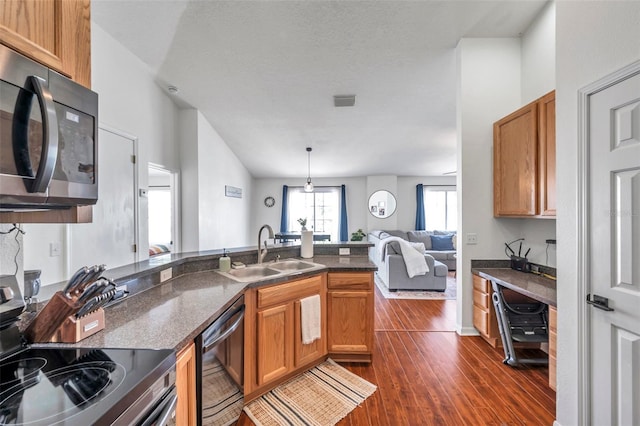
(532, 296)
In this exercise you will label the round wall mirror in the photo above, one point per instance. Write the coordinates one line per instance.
(382, 204)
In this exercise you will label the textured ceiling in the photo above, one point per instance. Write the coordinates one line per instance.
(264, 74)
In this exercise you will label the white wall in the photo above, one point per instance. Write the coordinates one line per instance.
(208, 165)
(358, 191)
(130, 101)
(539, 55)
(356, 201)
(593, 40)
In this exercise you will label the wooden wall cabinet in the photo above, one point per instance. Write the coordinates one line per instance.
(553, 341)
(484, 314)
(274, 351)
(350, 316)
(524, 164)
(56, 33)
(186, 411)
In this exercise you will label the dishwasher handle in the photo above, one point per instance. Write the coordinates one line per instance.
(213, 335)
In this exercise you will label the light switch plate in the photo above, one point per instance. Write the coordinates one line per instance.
(166, 275)
(344, 251)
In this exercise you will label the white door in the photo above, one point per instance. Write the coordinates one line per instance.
(614, 245)
(111, 237)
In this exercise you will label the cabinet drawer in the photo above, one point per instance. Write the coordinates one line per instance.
(282, 293)
(351, 280)
(481, 284)
(482, 300)
(481, 320)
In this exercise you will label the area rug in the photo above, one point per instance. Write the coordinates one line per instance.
(321, 396)
(449, 294)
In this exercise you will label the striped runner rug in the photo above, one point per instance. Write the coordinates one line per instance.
(321, 396)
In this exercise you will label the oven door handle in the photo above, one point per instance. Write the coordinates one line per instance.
(213, 338)
(161, 414)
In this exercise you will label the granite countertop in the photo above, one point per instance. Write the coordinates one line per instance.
(174, 313)
(535, 286)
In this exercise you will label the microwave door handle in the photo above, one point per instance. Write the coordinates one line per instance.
(49, 134)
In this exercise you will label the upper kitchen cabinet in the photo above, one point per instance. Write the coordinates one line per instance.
(524, 161)
(56, 33)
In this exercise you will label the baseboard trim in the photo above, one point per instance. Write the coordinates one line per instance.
(467, 331)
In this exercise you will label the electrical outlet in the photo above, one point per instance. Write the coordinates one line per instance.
(472, 238)
(344, 251)
(166, 275)
(55, 249)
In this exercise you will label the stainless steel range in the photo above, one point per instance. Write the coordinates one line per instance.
(63, 386)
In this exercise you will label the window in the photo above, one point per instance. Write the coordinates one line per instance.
(440, 208)
(321, 208)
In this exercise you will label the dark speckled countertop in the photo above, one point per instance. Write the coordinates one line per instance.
(535, 286)
(174, 313)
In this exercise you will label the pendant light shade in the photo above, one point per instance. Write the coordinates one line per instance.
(308, 187)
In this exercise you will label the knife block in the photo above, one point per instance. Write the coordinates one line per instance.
(75, 329)
(50, 318)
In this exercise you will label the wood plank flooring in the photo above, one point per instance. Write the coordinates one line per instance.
(428, 375)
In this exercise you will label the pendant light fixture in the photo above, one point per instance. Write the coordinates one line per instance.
(308, 187)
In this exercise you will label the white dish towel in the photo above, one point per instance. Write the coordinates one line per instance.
(310, 318)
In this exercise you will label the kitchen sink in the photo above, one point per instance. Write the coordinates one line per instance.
(251, 273)
(291, 265)
(271, 270)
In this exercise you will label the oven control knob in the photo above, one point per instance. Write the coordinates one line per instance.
(6, 294)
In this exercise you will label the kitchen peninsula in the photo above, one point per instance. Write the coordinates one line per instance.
(174, 313)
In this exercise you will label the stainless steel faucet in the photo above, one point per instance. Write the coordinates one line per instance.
(263, 253)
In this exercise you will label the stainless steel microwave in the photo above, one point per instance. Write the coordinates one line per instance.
(48, 137)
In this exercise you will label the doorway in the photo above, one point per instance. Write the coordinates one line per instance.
(163, 219)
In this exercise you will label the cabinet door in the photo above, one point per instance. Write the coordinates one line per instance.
(305, 354)
(350, 321)
(56, 33)
(515, 163)
(186, 386)
(274, 338)
(547, 138)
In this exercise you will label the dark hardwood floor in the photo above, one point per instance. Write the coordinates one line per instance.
(428, 375)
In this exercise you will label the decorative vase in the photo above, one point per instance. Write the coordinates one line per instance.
(306, 245)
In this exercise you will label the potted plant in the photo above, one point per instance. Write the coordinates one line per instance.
(303, 223)
(358, 235)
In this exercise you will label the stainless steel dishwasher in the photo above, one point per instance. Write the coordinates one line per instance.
(220, 364)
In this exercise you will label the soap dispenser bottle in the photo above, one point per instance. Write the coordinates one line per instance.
(225, 261)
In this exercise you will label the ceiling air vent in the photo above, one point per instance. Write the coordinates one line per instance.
(344, 100)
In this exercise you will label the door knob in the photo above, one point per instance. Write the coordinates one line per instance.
(599, 302)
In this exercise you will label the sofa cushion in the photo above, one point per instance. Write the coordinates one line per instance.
(442, 242)
(423, 237)
(437, 232)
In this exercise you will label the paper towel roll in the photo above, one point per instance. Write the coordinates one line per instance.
(306, 246)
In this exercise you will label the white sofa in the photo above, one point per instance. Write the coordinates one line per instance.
(392, 270)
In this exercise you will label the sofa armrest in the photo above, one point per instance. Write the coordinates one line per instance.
(395, 262)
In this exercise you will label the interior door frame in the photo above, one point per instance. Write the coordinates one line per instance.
(174, 177)
(582, 228)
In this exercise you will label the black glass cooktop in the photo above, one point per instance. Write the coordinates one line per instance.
(51, 386)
